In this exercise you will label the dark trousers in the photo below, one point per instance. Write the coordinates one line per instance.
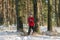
(30, 29)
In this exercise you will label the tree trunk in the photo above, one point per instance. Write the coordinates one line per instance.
(19, 19)
(59, 14)
(35, 15)
(1, 13)
(56, 15)
(49, 17)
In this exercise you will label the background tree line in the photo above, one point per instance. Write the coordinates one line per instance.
(46, 11)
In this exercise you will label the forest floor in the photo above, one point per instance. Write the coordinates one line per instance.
(44, 35)
(17, 36)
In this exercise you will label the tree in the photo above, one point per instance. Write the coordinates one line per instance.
(1, 13)
(35, 14)
(59, 14)
(44, 12)
(49, 17)
(56, 14)
(19, 18)
(39, 8)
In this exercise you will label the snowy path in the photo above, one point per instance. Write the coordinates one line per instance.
(14, 36)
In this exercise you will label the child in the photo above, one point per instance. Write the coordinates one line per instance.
(31, 23)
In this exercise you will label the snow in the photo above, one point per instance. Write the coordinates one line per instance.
(10, 28)
(9, 35)
(43, 28)
(57, 29)
(25, 26)
(13, 28)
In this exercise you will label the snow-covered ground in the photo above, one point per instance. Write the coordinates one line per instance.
(16, 37)
(10, 28)
(13, 28)
(9, 35)
(42, 28)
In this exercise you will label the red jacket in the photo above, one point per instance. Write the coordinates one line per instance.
(31, 21)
